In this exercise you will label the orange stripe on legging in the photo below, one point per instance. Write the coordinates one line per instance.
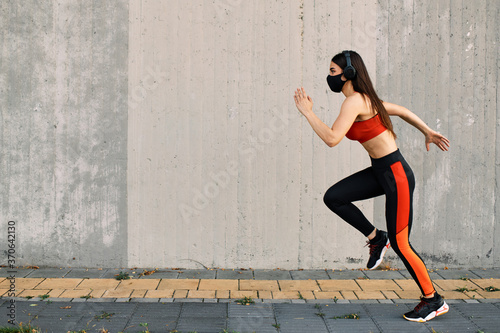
(403, 216)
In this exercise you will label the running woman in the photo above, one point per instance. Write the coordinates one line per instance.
(365, 118)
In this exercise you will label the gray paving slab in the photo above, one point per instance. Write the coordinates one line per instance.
(111, 273)
(384, 275)
(454, 274)
(210, 300)
(144, 300)
(197, 274)
(250, 325)
(492, 273)
(159, 274)
(85, 273)
(17, 272)
(432, 274)
(253, 310)
(203, 317)
(154, 324)
(272, 274)
(48, 273)
(166, 300)
(346, 274)
(309, 274)
(234, 274)
(201, 324)
(204, 310)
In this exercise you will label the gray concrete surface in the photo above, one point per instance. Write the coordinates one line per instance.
(164, 133)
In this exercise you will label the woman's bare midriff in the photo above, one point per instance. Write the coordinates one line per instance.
(381, 145)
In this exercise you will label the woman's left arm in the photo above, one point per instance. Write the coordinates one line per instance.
(431, 136)
(331, 136)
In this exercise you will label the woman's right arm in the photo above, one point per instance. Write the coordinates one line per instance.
(431, 136)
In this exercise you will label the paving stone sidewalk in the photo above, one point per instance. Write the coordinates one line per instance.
(185, 317)
(331, 295)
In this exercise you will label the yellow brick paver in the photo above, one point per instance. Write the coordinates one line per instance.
(201, 294)
(337, 285)
(291, 285)
(52, 283)
(236, 294)
(286, 295)
(164, 293)
(450, 285)
(369, 294)
(33, 292)
(407, 284)
(453, 295)
(489, 294)
(409, 294)
(22, 283)
(218, 284)
(106, 284)
(180, 293)
(138, 293)
(327, 295)
(484, 283)
(55, 292)
(222, 293)
(178, 284)
(3, 291)
(122, 293)
(271, 285)
(349, 294)
(97, 293)
(374, 285)
(138, 284)
(265, 294)
(75, 293)
(389, 294)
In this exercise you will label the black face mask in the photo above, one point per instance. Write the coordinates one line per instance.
(335, 82)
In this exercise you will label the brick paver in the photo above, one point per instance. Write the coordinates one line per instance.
(52, 283)
(22, 283)
(291, 285)
(98, 284)
(178, 284)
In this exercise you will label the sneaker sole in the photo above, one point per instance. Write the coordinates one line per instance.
(442, 310)
(382, 254)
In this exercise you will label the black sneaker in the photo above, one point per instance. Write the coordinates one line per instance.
(378, 250)
(427, 309)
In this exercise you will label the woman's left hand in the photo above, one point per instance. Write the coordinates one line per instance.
(438, 139)
(303, 102)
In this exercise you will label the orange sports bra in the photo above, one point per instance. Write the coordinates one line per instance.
(365, 130)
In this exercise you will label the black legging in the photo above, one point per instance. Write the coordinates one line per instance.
(392, 176)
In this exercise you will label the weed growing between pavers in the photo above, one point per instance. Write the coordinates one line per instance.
(349, 316)
(464, 289)
(491, 288)
(245, 300)
(20, 329)
(103, 315)
(122, 276)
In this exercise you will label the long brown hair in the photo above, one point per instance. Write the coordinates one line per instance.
(362, 84)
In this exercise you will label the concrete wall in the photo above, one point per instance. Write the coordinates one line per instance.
(164, 133)
(63, 102)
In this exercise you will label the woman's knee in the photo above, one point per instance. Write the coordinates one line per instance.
(332, 199)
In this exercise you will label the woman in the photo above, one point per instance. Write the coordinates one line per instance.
(365, 118)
